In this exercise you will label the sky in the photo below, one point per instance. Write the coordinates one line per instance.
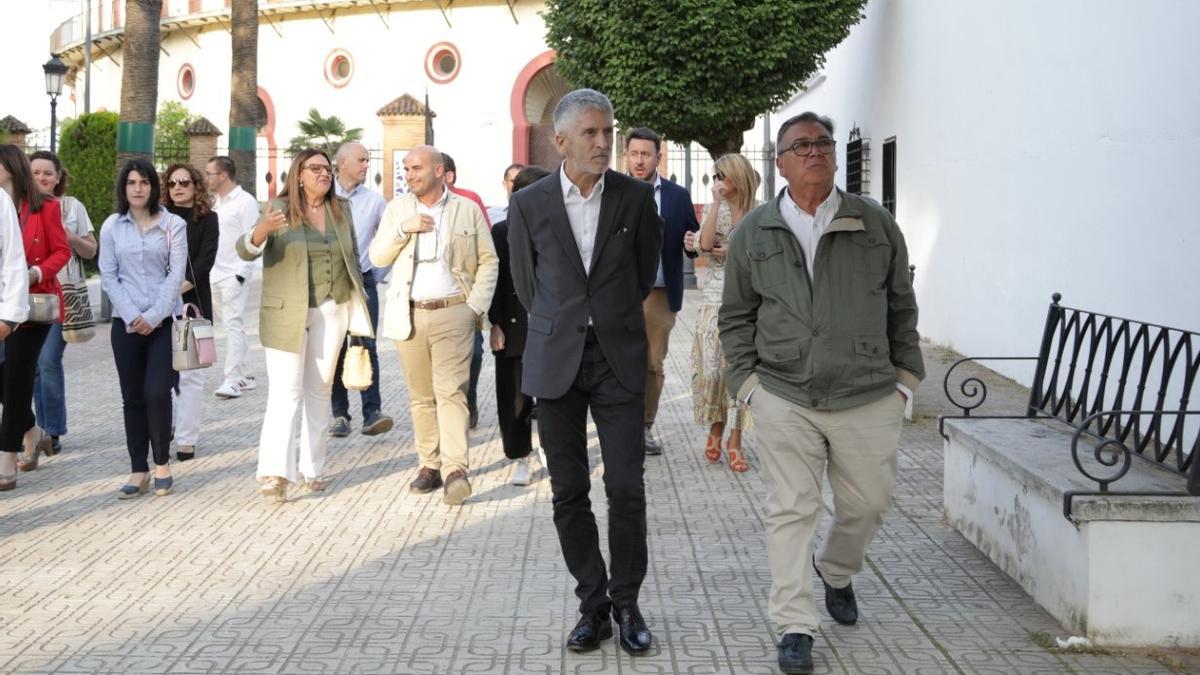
(25, 41)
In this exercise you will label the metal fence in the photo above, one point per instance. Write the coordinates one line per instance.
(691, 166)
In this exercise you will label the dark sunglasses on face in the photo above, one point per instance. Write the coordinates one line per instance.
(183, 182)
(719, 176)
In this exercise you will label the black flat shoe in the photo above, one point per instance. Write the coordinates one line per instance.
(839, 602)
(588, 634)
(185, 456)
(795, 654)
(635, 636)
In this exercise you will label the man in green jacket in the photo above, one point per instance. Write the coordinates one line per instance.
(819, 327)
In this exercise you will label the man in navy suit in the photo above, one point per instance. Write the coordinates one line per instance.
(643, 152)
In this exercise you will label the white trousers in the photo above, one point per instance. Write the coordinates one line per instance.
(189, 406)
(302, 382)
(229, 304)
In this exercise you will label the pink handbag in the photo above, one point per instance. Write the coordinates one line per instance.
(192, 343)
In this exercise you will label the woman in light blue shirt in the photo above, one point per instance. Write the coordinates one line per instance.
(143, 255)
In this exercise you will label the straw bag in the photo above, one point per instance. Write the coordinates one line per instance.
(356, 366)
(192, 342)
(79, 325)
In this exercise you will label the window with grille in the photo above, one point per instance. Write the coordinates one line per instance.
(858, 163)
(889, 175)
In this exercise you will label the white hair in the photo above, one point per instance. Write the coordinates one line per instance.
(577, 101)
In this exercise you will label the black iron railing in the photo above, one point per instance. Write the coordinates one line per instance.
(1125, 386)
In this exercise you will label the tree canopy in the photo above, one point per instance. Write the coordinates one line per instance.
(696, 70)
(325, 133)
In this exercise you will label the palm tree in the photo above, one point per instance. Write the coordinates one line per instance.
(243, 92)
(326, 133)
(139, 80)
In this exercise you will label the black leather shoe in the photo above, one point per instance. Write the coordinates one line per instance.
(635, 636)
(591, 630)
(839, 602)
(795, 654)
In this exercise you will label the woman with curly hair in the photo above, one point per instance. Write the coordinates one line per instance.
(187, 197)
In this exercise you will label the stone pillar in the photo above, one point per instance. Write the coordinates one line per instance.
(202, 142)
(14, 131)
(403, 129)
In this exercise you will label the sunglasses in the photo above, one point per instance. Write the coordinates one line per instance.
(179, 183)
(319, 168)
(719, 176)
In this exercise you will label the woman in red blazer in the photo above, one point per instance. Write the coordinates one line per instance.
(46, 252)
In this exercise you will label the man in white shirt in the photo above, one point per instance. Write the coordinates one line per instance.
(237, 213)
(444, 274)
(366, 208)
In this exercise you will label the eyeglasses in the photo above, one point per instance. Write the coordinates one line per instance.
(803, 147)
(719, 176)
(429, 244)
(319, 168)
(185, 182)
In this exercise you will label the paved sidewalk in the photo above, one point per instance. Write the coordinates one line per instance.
(367, 578)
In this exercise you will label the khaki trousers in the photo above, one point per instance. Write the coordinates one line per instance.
(797, 446)
(437, 366)
(659, 322)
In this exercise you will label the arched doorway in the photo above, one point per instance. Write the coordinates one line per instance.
(268, 180)
(538, 88)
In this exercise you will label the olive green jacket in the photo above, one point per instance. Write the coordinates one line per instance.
(284, 310)
(843, 337)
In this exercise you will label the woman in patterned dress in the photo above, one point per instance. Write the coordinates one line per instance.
(735, 183)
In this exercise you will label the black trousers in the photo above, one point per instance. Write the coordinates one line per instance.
(21, 351)
(146, 376)
(562, 423)
(513, 408)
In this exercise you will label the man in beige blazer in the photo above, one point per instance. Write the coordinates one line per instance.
(443, 276)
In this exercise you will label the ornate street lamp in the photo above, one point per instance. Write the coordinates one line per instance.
(55, 71)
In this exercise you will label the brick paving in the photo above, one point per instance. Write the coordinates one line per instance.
(367, 578)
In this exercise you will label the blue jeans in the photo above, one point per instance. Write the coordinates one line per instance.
(49, 386)
(340, 398)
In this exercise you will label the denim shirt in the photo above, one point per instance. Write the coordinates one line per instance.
(366, 207)
(142, 273)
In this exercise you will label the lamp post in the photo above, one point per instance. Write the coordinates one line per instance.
(55, 71)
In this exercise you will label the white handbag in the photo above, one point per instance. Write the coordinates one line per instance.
(192, 342)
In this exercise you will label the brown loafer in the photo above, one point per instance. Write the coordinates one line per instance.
(458, 488)
(427, 481)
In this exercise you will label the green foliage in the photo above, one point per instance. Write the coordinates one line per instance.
(326, 133)
(88, 148)
(170, 133)
(696, 70)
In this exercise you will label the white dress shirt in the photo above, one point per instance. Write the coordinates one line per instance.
(366, 208)
(809, 228)
(237, 214)
(432, 279)
(583, 213)
(14, 275)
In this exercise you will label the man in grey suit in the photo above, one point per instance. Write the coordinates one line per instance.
(584, 244)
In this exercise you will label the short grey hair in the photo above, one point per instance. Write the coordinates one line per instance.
(576, 102)
(343, 151)
(807, 116)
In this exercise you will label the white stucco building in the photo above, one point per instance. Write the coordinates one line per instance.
(1038, 147)
(484, 64)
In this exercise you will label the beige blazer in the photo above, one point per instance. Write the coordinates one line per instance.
(470, 255)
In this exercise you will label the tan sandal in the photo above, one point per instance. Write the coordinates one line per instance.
(274, 489)
(737, 460)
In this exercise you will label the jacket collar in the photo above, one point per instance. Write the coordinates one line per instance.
(849, 216)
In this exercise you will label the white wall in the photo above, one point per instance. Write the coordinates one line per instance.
(1042, 146)
(473, 121)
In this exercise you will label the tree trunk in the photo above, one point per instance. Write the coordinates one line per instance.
(243, 93)
(139, 81)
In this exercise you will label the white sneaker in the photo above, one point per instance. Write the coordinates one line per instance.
(521, 472)
(247, 383)
(228, 389)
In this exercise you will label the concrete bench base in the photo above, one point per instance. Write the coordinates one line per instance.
(1125, 571)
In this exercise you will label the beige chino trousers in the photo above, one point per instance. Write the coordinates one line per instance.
(659, 322)
(437, 367)
(797, 446)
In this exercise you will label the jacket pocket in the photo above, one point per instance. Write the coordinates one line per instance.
(767, 265)
(872, 254)
(872, 363)
(465, 251)
(779, 352)
(541, 324)
(272, 302)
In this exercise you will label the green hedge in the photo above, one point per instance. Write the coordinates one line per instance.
(88, 148)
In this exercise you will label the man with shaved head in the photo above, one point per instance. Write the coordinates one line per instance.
(366, 208)
(444, 272)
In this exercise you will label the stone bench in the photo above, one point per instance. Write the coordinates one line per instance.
(1090, 499)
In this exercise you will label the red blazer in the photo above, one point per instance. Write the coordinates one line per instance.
(46, 247)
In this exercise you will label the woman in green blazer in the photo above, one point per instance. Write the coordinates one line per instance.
(312, 293)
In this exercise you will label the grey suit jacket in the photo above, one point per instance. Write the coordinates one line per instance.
(550, 281)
